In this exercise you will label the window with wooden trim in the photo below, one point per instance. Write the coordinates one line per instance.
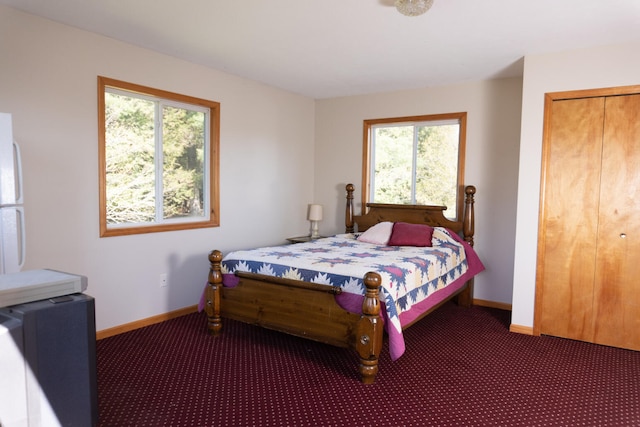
(158, 160)
(417, 160)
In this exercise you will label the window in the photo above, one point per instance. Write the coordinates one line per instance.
(415, 160)
(158, 160)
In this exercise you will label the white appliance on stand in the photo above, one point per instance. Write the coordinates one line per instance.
(12, 225)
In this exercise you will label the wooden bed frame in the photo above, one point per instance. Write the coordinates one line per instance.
(309, 310)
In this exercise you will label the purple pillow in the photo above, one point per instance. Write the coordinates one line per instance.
(405, 234)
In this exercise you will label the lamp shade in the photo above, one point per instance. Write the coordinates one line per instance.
(315, 213)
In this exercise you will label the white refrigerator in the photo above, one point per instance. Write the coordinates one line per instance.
(12, 225)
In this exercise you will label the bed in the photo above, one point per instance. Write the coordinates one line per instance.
(325, 305)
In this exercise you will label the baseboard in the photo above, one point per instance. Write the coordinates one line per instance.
(526, 330)
(492, 304)
(106, 333)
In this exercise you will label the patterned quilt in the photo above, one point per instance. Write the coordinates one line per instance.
(410, 275)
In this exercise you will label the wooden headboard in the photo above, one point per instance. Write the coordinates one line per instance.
(415, 214)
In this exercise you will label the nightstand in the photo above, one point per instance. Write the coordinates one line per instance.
(300, 239)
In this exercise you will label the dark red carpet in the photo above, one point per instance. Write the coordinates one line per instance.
(462, 368)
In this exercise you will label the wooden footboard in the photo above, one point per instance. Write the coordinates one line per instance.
(299, 308)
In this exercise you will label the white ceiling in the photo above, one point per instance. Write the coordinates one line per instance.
(330, 48)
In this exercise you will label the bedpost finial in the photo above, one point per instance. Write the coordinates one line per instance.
(215, 256)
(372, 281)
(470, 190)
(371, 303)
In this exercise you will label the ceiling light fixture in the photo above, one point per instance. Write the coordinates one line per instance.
(413, 7)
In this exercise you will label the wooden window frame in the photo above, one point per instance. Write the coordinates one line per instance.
(366, 152)
(213, 194)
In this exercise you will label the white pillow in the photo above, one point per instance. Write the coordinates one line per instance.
(379, 234)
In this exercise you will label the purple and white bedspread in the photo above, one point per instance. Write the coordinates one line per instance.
(413, 278)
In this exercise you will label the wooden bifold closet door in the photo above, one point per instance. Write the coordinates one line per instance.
(588, 272)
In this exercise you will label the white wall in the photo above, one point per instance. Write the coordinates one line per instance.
(493, 131)
(48, 81)
(600, 67)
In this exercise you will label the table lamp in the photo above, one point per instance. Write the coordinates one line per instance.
(314, 215)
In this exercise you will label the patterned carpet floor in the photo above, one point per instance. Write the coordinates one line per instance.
(462, 368)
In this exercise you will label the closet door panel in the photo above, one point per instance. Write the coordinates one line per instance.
(617, 280)
(570, 217)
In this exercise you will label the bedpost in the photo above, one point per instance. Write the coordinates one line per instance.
(369, 329)
(469, 216)
(465, 298)
(348, 219)
(214, 293)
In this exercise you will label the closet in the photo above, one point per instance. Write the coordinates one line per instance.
(588, 267)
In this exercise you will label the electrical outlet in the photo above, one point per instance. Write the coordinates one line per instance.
(163, 280)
